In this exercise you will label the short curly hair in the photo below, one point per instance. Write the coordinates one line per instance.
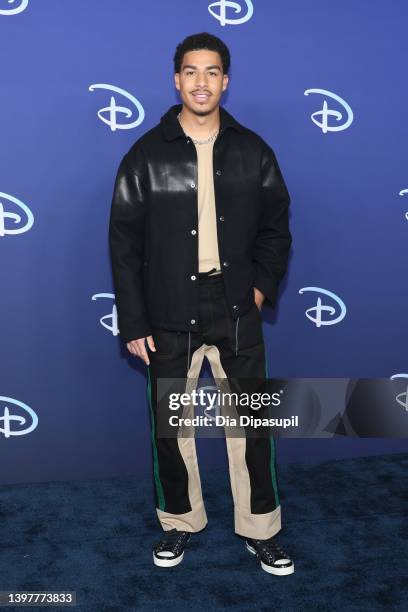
(203, 40)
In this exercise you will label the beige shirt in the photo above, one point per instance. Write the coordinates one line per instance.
(208, 256)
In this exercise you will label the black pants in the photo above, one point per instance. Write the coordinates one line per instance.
(233, 349)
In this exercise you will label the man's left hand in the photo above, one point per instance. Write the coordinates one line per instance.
(259, 298)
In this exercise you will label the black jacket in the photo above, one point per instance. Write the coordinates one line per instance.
(153, 229)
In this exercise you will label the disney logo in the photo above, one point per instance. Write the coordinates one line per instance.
(325, 113)
(14, 216)
(401, 398)
(320, 308)
(16, 10)
(9, 419)
(224, 4)
(113, 317)
(113, 109)
(402, 193)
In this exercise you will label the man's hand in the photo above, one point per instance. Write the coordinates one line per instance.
(138, 348)
(259, 298)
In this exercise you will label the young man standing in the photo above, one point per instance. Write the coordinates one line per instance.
(199, 241)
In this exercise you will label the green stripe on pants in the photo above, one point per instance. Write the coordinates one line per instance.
(159, 487)
(273, 454)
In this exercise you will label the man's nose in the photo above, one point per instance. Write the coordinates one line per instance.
(202, 80)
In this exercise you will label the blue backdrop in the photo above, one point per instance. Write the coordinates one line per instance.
(297, 67)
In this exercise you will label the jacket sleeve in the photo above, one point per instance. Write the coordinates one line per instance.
(273, 240)
(126, 243)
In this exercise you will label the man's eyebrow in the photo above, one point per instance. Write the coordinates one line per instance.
(207, 67)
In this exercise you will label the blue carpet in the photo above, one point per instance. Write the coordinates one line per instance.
(345, 523)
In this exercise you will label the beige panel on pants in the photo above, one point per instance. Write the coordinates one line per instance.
(257, 526)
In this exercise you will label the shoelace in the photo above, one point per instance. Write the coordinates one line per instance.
(172, 541)
(272, 551)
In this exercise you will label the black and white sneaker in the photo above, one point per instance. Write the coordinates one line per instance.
(273, 559)
(169, 550)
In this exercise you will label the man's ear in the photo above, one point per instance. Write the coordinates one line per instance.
(177, 80)
(225, 82)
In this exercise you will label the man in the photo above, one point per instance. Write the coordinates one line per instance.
(199, 241)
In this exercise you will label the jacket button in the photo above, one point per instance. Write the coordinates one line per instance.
(192, 321)
(193, 232)
(218, 172)
(221, 218)
(192, 185)
(235, 307)
(225, 263)
(193, 277)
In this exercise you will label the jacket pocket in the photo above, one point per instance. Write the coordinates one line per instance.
(166, 343)
(250, 331)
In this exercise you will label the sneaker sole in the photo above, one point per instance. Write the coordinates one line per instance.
(168, 562)
(277, 571)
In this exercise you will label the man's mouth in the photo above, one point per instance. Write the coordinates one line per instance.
(201, 97)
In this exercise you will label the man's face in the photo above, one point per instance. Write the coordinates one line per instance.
(201, 73)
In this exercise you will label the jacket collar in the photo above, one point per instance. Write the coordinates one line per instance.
(172, 129)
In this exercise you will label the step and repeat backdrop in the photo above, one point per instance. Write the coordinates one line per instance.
(324, 83)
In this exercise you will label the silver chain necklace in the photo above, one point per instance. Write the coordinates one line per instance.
(196, 141)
